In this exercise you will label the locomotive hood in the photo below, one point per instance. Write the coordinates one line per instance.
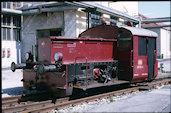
(101, 31)
(111, 32)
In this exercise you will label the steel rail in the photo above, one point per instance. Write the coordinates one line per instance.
(47, 105)
(9, 98)
(92, 98)
(34, 105)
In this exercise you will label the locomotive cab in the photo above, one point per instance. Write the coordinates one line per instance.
(137, 55)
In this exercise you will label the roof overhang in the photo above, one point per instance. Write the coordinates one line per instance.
(107, 10)
(11, 11)
(59, 6)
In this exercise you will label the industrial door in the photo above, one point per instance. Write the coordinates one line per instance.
(151, 47)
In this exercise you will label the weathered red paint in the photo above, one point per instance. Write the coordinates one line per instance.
(135, 67)
(140, 71)
(98, 44)
(80, 49)
(139, 68)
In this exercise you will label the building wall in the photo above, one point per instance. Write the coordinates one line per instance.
(6, 61)
(165, 43)
(158, 42)
(81, 22)
(131, 7)
(10, 34)
(66, 20)
(70, 23)
(33, 23)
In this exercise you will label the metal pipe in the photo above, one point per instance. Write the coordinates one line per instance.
(17, 12)
(50, 68)
(140, 21)
(156, 26)
(154, 20)
(17, 66)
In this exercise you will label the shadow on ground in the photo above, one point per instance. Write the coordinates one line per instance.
(15, 91)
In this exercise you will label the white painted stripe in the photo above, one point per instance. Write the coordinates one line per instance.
(136, 74)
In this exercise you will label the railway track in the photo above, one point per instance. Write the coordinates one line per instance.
(10, 105)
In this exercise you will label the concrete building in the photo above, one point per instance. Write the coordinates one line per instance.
(164, 38)
(10, 33)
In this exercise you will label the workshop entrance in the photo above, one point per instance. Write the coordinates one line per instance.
(44, 33)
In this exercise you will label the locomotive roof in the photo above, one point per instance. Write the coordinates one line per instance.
(140, 31)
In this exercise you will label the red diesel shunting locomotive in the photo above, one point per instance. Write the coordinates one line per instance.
(101, 56)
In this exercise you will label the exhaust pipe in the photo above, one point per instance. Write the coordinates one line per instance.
(17, 66)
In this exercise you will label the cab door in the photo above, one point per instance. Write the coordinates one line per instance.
(140, 63)
(125, 55)
(151, 47)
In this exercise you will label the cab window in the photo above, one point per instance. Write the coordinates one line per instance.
(142, 46)
(125, 42)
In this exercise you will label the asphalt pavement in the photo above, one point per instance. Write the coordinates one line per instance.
(156, 100)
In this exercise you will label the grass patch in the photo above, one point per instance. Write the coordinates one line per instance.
(112, 99)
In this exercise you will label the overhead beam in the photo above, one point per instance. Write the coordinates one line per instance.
(155, 20)
(46, 4)
(54, 9)
(10, 11)
(156, 26)
(107, 10)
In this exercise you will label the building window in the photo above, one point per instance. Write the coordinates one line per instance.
(18, 4)
(17, 21)
(95, 19)
(8, 34)
(4, 4)
(4, 33)
(11, 31)
(48, 32)
(113, 20)
(8, 20)
(55, 32)
(142, 46)
(14, 5)
(4, 20)
(1, 33)
(16, 34)
(8, 5)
